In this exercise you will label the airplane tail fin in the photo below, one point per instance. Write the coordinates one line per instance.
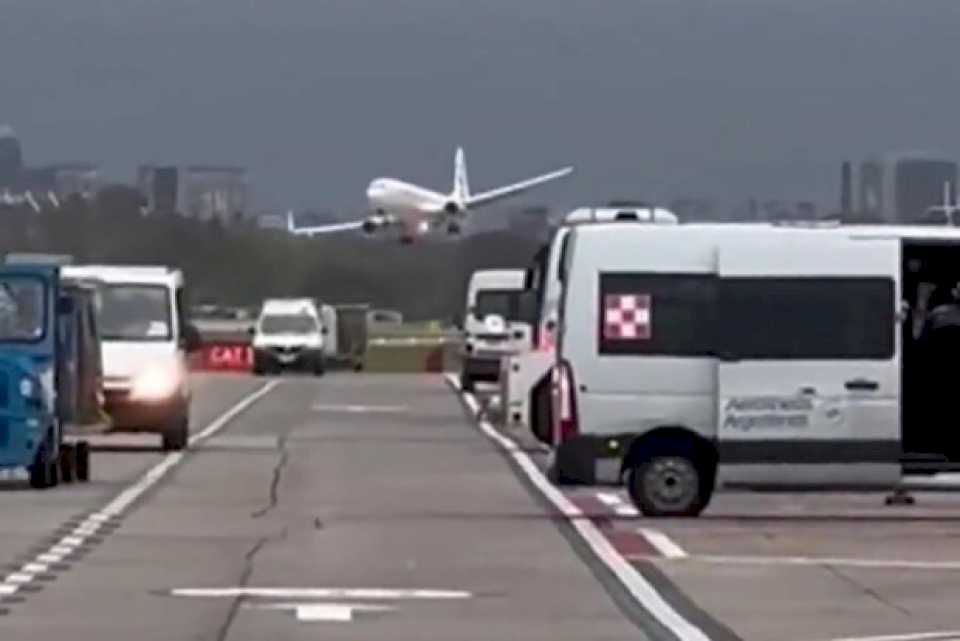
(461, 186)
(291, 226)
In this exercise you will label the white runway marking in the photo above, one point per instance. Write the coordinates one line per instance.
(361, 409)
(636, 585)
(374, 594)
(12, 582)
(617, 504)
(951, 635)
(323, 612)
(890, 564)
(663, 543)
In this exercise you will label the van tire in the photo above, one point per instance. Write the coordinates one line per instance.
(466, 383)
(82, 460)
(670, 482)
(68, 463)
(176, 435)
(319, 367)
(44, 473)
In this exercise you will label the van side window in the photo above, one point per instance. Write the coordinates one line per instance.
(657, 314)
(808, 318)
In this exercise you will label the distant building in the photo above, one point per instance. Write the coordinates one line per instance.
(899, 187)
(215, 192)
(160, 186)
(62, 179)
(11, 158)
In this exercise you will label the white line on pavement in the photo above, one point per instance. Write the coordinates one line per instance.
(950, 635)
(663, 543)
(12, 582)
(891, 564)
(633, 581)
(382, 594)
(609, 499)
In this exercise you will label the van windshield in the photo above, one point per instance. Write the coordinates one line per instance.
(502, 302)
(135, 313)
(288, 324)
(22, 309)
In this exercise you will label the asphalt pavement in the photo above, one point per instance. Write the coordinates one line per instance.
(351, 506)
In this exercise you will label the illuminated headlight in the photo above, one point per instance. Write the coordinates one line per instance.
(28, 389)
(157, 382)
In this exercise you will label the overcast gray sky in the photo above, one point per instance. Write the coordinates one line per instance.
(648, 98)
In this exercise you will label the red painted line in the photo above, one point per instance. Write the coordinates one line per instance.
(630, 544)
(625, 540)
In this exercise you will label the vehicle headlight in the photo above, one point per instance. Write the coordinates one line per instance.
(27, 388)
(156, 382)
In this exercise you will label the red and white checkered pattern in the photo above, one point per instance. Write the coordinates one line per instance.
(627, 317)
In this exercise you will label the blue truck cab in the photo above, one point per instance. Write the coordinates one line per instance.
(34, 367)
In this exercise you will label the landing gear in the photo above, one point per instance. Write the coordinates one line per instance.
(453, 228)
(406, 240)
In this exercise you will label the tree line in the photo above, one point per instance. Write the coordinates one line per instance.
(241, 264)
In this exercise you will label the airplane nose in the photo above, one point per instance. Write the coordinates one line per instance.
(374, 192)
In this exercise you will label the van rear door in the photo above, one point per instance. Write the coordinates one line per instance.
(808, 366)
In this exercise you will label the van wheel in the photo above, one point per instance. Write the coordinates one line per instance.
(669, 484)
(319, 367)
(44, 472)
(467, 384)
(82, 455)
(176, 435)
(68, 464)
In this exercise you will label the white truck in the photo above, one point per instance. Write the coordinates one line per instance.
(695, 355)
(289, 334)
(492, 324)
(525, 376)
(145, 339)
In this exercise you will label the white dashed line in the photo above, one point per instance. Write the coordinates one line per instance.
(662, 543)
(69, 544)
(638, 587)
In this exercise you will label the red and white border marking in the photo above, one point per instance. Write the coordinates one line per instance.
(638, 587)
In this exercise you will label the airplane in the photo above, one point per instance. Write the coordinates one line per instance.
(416, 210)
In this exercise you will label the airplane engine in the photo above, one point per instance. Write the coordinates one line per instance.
(374, 224)
(451, 208)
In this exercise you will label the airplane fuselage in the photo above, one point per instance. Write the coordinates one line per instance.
(411, 206)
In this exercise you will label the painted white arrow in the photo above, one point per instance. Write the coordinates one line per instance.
(323, 612)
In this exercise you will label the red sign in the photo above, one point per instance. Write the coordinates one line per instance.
(226, 357)
(626, 317)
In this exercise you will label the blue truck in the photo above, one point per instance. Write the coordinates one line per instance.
(49, 354)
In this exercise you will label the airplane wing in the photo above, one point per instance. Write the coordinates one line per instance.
(332, 228)
(502, 192)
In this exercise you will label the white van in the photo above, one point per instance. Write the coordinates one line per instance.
(289, 333)
(525, 377)
(754, 355)
(491, 323)
(146, 337)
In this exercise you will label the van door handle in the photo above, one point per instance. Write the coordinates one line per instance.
(862, 385)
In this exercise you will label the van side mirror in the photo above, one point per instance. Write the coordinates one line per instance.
(190, 338)
(252, 330)
(324, 331)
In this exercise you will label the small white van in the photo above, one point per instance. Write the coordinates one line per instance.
(146, 337)
(288, 334)
(760, 355)
(491, 323)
